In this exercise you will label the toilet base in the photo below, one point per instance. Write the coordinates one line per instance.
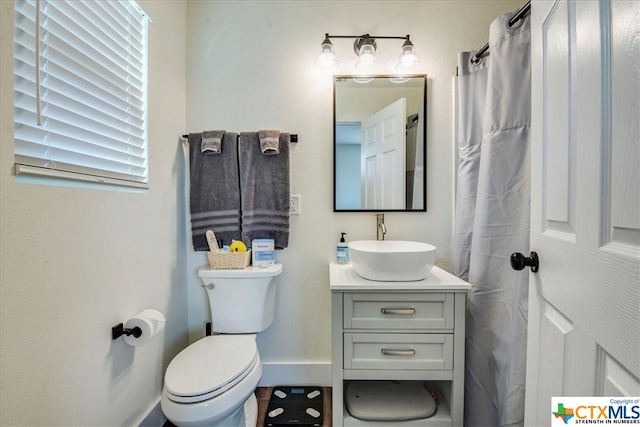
(251, 411)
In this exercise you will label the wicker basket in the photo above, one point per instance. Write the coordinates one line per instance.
(229, 260)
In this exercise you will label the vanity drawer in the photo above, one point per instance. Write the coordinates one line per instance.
(410, 311)
(398, 351)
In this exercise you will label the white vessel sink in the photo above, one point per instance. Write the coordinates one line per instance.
(392, 260)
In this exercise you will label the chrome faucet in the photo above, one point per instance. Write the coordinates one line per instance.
(381, 229)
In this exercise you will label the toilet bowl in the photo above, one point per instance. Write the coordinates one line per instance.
(212, 381)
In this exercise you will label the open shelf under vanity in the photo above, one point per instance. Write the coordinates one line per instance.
(442, 417)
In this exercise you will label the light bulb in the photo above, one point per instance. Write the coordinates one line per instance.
(367, 57)
(408, 59)
(327, 59)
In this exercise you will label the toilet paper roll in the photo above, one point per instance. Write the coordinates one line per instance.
(150, 321)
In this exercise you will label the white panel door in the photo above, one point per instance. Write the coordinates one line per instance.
(368, 164)
(584, 302)
(383, 157)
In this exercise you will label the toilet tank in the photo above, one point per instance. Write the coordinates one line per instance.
(241, 300)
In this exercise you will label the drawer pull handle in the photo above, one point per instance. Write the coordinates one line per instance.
(400, 311)
(406, 353)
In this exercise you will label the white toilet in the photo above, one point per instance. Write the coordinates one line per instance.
(211, 382)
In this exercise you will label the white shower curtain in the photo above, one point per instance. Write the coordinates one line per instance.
(492, 221)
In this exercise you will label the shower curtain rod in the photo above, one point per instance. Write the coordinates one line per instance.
(520, 14)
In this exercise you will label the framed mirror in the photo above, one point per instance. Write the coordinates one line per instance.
(379, 150)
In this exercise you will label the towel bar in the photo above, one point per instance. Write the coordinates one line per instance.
(293, 138)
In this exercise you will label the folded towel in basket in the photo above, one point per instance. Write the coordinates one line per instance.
(264, 183)
(269, 142)
(211, 142)
(215, 191)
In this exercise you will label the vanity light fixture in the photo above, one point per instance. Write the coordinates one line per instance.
(366, 50)
(408, 59)
(327, 58)
(365, 47)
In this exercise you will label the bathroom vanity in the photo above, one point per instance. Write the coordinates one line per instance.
(407, 331)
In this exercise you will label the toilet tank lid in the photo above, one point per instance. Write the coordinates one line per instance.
(242, 273)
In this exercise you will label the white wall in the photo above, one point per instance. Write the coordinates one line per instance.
(251, 66)
(76, 261)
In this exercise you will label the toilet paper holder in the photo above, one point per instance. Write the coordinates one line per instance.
(119, 330)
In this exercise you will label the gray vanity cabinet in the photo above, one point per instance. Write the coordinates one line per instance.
(412, 331)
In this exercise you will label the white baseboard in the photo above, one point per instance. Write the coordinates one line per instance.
(295, 373)
(154, 418)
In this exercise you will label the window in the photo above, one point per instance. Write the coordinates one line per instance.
(80, 90)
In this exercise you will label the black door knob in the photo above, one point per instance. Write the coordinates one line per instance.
(519, 261)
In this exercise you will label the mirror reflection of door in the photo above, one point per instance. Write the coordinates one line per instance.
(382, 158)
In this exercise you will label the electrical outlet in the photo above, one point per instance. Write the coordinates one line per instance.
(294, 205)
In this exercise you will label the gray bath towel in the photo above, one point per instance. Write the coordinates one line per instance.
(211, 141)
(215, 191)
(269, 142)
(264, 182)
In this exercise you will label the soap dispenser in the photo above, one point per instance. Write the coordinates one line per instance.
(342, 251)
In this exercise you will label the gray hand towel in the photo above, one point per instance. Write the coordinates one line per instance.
(211, 142)
(264, 182)
(215, 191)
(269, 142)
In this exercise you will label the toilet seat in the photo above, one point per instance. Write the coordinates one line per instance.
(209, 367)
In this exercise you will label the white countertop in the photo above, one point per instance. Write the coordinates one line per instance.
(342, 277)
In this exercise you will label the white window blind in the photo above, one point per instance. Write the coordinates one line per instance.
(80, 90)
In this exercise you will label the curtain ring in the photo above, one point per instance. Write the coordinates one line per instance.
(477, 60)
(516, 25)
